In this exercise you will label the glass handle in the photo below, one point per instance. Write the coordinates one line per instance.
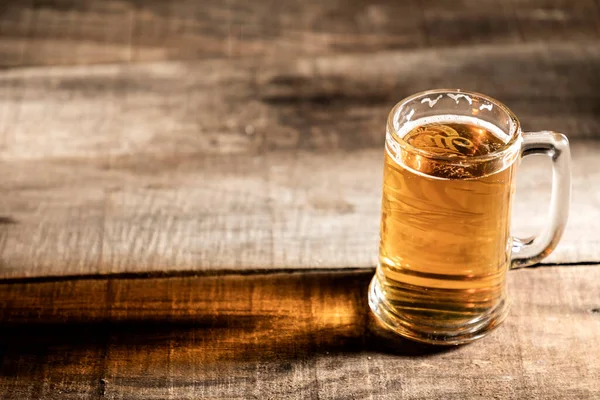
(532, 250)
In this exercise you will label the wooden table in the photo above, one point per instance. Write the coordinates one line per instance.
(189, 196)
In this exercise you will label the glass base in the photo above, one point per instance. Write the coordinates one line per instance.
(437, 331)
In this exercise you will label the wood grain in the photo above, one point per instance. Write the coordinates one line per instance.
(314, 103)
(67, 32)
(303, 336)
(147, 147)
(275, 211)
(205, 166)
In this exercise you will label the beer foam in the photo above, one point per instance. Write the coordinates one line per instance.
(443, 170)
(448, 119)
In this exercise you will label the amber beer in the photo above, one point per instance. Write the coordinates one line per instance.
(445, 234)
(451, 158)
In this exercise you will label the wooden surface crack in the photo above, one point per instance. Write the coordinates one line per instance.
(234, 272)
(190, 193)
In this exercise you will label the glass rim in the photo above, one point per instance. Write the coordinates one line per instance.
(509, 147)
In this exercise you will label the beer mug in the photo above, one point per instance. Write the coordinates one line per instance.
(451, 157)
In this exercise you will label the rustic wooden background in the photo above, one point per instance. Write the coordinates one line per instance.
(189, 196)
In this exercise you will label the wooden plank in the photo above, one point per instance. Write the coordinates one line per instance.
(87, 32)
(307, 211)
(286, 336)
(207, 167)
(322, 103)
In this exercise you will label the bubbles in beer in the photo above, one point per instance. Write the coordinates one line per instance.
(454, 139)
(445, 228)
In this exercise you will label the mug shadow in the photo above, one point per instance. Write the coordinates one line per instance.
(279, 317)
